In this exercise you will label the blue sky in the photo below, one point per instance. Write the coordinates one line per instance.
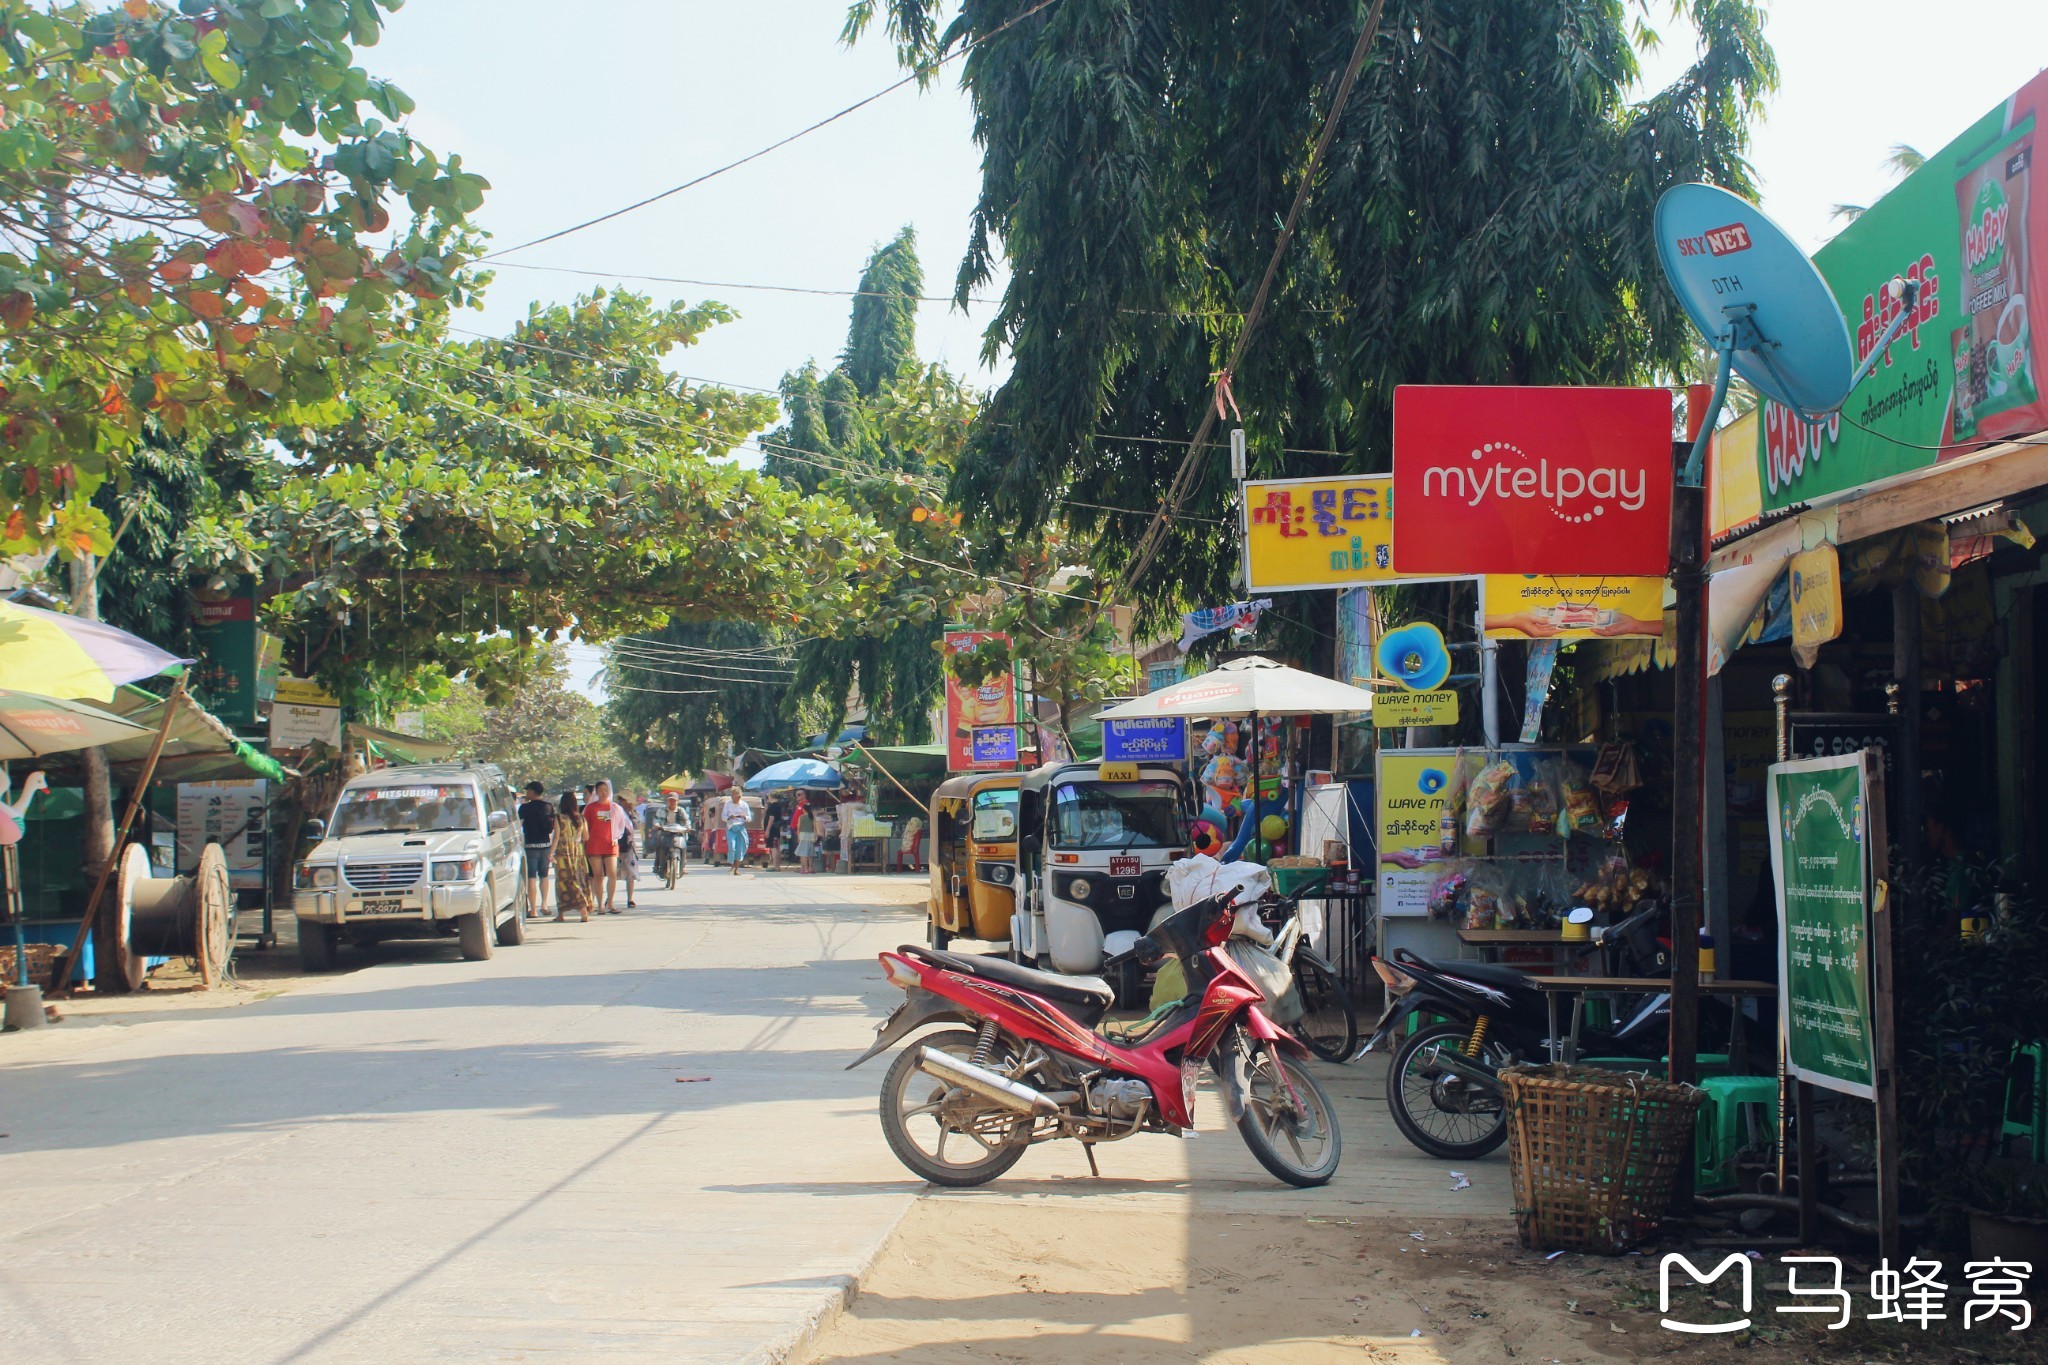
(571, 111)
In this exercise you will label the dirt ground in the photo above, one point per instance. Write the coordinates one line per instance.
(1020, 1284)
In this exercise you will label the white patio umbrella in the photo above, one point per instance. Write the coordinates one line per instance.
(1246, 687)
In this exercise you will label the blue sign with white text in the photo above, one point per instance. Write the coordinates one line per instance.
(995, 744)
(1163, 740)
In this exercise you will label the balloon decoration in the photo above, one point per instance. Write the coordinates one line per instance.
(1215, 816)
(1260, 850)
(1273, 828)
(1207, 837)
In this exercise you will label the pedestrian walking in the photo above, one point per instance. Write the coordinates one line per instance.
(572, 865)
(629, 845)
(806, 837)
(825, 815)
(778, 825)
(601, 821)
(537, 829)
(733, 815)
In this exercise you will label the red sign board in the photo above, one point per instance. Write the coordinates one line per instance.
(1532, 480)
(988, 704)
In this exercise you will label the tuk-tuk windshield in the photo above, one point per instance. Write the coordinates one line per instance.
(995, 814)
(1116, 815)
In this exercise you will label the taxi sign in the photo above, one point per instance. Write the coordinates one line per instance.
(1119, 772)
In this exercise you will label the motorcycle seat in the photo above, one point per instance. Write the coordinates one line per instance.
(1496, 975)
(1067, 990)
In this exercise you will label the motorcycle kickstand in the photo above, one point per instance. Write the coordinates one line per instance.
(1093, 1169)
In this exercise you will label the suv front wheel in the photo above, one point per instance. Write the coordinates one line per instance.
(512, 932)
(316, 945)
(474, 932)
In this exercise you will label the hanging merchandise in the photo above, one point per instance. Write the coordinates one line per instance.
(1414, 656)
(1536, 686)
(1208, 620)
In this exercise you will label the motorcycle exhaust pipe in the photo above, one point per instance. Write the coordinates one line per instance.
(1474, 1069)
(979, 1080)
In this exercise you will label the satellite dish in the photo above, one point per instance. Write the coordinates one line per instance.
(1736, 271)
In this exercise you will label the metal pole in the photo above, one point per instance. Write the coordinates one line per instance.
(1781, 707)
(1689, 677)
(1906, 837)
(1489, 677)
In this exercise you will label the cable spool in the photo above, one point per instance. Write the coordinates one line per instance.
(189, 916)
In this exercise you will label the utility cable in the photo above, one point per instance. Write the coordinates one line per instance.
(918, 76)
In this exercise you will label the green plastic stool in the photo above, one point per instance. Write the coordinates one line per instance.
(2026, 1103)
(1718, 1131)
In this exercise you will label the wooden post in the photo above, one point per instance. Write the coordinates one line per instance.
(1688, 742)
(1906, 672)
(136, 795)
(1883, 1056)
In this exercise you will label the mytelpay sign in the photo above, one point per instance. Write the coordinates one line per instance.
(1153, 740)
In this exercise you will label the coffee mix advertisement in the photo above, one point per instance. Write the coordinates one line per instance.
(1964, 371)
(980, 706)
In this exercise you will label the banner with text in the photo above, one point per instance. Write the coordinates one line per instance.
(1820, 834)
(1542, 606)
(1408, 797)
(988, 704)
(1505, 480)
(1965, 369)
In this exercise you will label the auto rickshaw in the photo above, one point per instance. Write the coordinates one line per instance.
(1093, 847)
(974, 858)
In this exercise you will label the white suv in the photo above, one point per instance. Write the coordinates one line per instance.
(414, 852)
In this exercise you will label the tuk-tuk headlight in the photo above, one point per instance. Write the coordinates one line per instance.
(1078, 888)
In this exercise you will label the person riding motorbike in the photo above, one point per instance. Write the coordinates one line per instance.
(668, 827)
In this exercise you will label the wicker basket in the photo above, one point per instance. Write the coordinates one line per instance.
(41, 956)
(1593, 1155)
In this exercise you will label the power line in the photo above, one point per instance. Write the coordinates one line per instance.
(919, 75)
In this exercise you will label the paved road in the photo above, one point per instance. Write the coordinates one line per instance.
(423, 1159)
(428, 1159)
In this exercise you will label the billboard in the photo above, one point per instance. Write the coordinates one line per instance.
(1508, 480)
(1965, 369)
(987, 705)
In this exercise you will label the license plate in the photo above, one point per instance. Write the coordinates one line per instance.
(1125, 867)
(391, 905)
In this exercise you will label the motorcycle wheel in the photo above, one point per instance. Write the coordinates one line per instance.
(1329, 1024)
(1283, 1115)
(922, 1115)
(668, 867)
(1443, 1114)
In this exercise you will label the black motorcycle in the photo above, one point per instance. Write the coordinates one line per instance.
(1443, 1086)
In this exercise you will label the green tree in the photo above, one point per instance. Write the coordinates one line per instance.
(475, 501)
(678, 698)
(544, 731)
(194, 233)
(1483, 216)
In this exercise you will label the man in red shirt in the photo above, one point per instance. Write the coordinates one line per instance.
(604, 820)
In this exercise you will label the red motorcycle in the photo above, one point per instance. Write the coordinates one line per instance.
(1033, 1065)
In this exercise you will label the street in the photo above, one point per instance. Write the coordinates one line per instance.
(627, 1139)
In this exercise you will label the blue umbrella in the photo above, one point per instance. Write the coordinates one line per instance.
(795, 772)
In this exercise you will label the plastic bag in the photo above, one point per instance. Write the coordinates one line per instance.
(1581, 806)
(1488, 798)
(1197, 878)
(1270, 975)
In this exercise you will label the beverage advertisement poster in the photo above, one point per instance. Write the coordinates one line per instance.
(1512, 480)
(985, 705)
(1966, 368)
(229, 814)
(1544, 606)
(1408, 795)
(1820, 832)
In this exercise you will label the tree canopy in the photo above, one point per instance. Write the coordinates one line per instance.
(1483, 216)
(194, 233)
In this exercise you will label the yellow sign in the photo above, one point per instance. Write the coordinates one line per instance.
(1559, 607)
(303, 692)
(1408, 794)
(1390, 709)
(1119, 772)
(1303, 534)
(1816, 597)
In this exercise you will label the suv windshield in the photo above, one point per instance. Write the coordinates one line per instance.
(1116, 815)
(404, 810)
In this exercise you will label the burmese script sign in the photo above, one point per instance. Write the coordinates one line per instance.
(1820, 845)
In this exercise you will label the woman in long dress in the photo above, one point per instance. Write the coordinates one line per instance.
(572, 868)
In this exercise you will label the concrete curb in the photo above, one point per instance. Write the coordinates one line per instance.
(793, 1346)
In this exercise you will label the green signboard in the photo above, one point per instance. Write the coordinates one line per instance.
(224, 676)
(1966, 369)
(1820, 845)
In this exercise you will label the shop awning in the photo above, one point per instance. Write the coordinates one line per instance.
(199, 748)
(394, 747)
